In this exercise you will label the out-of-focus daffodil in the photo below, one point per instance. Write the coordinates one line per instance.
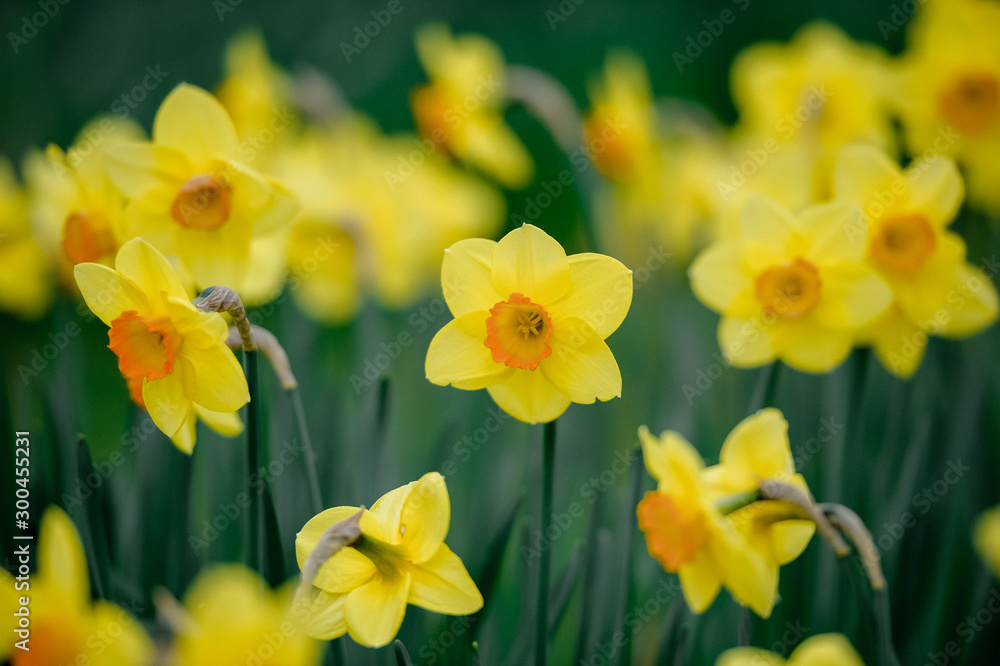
(253, 89)
(661, 165)
(359, 232)
(76, 211)
(756, 449)
(688, 534)
(821, 90)
(791, 287)
(986, 537)
(400, 558)
(25, 277)
(461, 108)
(949, 94)
(530, 323)
(190, 195)
(236, 619)
(906, 215)
(820, 650)
(176, 353)
(66, 627)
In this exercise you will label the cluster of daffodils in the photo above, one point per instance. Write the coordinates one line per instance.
(849, 249)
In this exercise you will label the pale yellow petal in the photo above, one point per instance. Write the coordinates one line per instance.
(120, 639)
(700, 582)
(224, 423)
(746, 343)
(748, 656)
(374, 611)
(185, 437)
(166, 401)
(809, 346)
(442, 585)
(489, 144)
(718, 277)
(832, 229)
(852, 297)
(581, 366)
(326, 617)
(865, 176)
(528, 396)
(938, 190)
(600, 293)
(425, 517)
(530, 262)
(768, 229)
(148, 172)
(220, 384)
(108, 293)
(825, 650)
(758, 448)
(466, 277)
(458, 356)
(150, 270)
(61, 560)
(193, 121)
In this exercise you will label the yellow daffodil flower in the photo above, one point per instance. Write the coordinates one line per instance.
(66, 627)
(820, 650)
(986, 536)
(400, 558)
(791, 287)
(253, 89)
(530, 323)
(190, 194)
(822, 90)
(461, 109)
(177, 353)
(757, 449)
(661, 166)
(688, 534)
(236, 619)
(25, 277)
(949, 94)
(76, 211)
(370, 225)
(906, 215)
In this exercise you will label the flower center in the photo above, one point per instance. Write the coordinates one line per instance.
(145, 347)
(52, 642)
(902, 243)
(87, 237)
(674, 529)
(432, 111)
(617, 158)
(202, 203)
(791, 290)
(518, 332)
(972, 102)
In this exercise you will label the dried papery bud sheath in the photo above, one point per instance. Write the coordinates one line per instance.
(777, 490)
(266, 342)
(224, 299)
(337, 536)
(172, 613)
(851, 526)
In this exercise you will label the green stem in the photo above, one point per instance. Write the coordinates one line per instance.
(541, 620)
(731, 503)
(256, 512)
(310, 457)
(883, 628)
(767, 384)
(635, 489)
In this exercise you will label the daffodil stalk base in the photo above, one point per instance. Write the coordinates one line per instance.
(545, 561)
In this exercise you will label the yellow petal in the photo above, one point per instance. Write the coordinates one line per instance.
(326, 617)
(375, 611)
(810, 347)
(750, 578)
(109, 293)
(937, 190)
(61, 561)
(671, 460)
(768, 229)
(825, 650)
(851, 297)
(147, 172)
(986, 538)
(442, 585)
(126, 642)
(150, 270)
(466, 277)
(528, 396)
(899, 343)
(220, 384)
(832, 238)
(746, 343)
(184, 438)
(458, 356)
(308, 537)
(224, 423)
(789, 538)
(748, 656)
(600, 293)
(345, 571)
(528, 261)
(196, 327)
(489, 144)
(700, 582)
(718, 278)
(581, 366)
(166, 400)
(864, 175)
(425, 517)
(972, 303)
(758, 448)
(193, 121)
(218, 256)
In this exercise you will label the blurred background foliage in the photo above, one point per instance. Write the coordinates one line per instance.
(376, 428)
